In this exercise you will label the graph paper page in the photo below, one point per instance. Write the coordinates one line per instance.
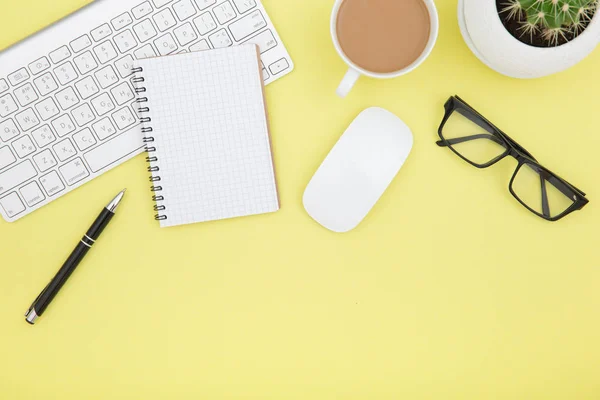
(210, 131)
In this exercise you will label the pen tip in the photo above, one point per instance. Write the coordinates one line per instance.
(112, 206)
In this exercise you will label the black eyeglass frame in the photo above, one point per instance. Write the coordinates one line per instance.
(514, 150)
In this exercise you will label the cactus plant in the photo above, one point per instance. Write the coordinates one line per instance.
(553, 19)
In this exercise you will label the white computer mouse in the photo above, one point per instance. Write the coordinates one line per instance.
(358, 170)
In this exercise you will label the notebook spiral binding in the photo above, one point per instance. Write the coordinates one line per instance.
(147, 130)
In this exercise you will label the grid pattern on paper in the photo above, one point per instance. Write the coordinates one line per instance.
(211, 135)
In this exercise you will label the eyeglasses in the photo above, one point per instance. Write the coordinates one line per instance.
(480, 143)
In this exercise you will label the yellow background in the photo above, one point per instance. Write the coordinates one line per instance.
(448, 290)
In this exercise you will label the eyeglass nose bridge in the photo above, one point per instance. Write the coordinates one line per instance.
(514, 153)
(519, 155)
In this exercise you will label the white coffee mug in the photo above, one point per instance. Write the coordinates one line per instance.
(354, 71)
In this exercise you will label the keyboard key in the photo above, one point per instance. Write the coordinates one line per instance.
(220, 39)
(67, 98)
(83, 114)
(265, 73)
(84, 139)
(125, 41)
(63, 125)
(161, 3)
(45, 84)
(7, 105)
(44, 160)
(124, 66)
(279, 66)
(145, 51)
(65, 73)
(43, 136)
(87, 87)
(101, 32)
(202, 4)
(165, 44)
(105, 52)
(104, 128)
(121, 21)
(205, 23)
(144, 30)
(39, 65)
(16, 175)
(27, 119)
(47, 108)
(64, 150)
(12, 204)
(6, 157)
(185, 34)
(81, 43)
(3, 85)
(113, 150)
(124, 118)
(8, 130)
(52, 183)
(18, 76)
(103, 104)
(26, 94)
(60, 54)
(122, 93)
(184, 9)
(265, 41)
(244, 5)
(23, 146)
(201, 45)
(85, 62)
(244, 27)
(106, 77)
(224, 12)
(142, 10)
(164, 20)
(74, 171)
(32, 193)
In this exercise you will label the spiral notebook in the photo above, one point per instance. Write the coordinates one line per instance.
(205, 124)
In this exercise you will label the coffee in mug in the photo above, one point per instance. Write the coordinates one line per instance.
(382, 38)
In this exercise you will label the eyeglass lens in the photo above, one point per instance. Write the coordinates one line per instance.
(540, 192)
(473, 141)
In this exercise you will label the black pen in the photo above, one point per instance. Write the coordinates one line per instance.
(43, 300)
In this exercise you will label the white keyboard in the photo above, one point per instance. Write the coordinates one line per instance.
(67, 105)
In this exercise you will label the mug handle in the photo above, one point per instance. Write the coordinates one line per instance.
(348, 82)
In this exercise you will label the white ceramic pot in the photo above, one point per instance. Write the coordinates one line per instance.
(487, 38)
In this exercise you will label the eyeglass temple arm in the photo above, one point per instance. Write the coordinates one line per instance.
(545, 205)
(450, 142)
